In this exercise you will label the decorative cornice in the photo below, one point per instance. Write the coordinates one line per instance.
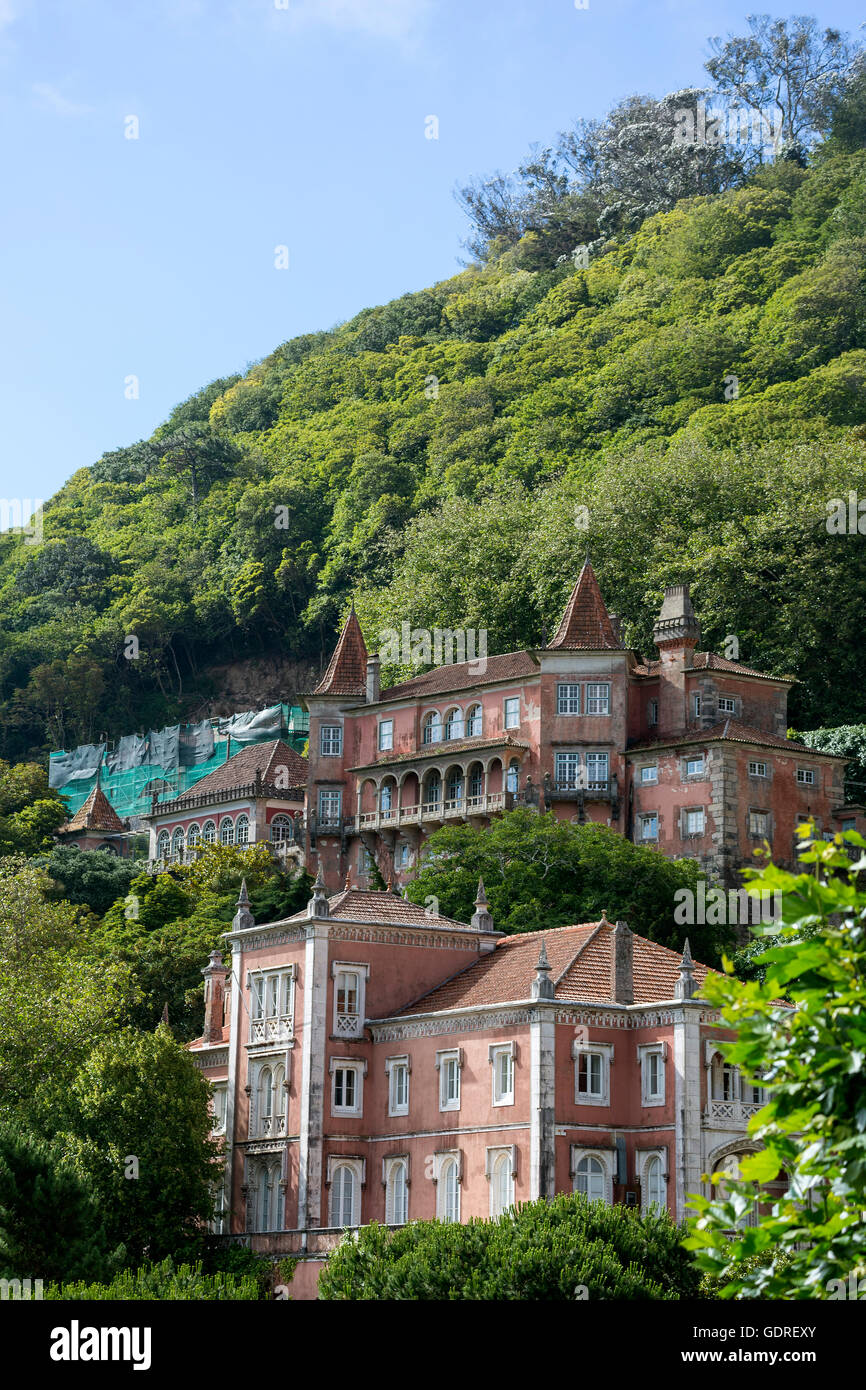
(405, 936)
(211, 1057)
(254, 938)
(435, 1027)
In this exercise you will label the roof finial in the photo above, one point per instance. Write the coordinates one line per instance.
(686, 985)
(604, 922)
(318, 904)
(481, 896)
(542, 985)
(243, 896)
(346, 884)
(481, 919)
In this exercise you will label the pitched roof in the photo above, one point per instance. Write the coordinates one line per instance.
(586, 621)
(382, 908)
(347, 669)
(240, 770)
(709, 661)
(96, 813)
(580, 960)
(730, 731)
(465, 675)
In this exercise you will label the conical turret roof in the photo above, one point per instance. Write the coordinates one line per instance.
(347, 669)
(586, 621)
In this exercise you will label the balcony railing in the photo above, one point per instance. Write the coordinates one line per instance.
(276, 1029)
(732, 1112)
(453, 808)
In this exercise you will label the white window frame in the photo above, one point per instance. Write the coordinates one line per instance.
(494, 1052)
(334, 748)
(385, 737)
(727, 704)
(605, 1050)
(493, 1156)
(594, 758)
(227, 830)
(601, 700)
(352, 1025)
(440, 1159)
(643, 818)
(329, 795)
(687, 811)
(444, 1059)
(431, 725)
(389, 1167)
(219, 1101)
(271, 1025)
(475, 714)
(759, 834)
(759, 769)
(806, 777)
(602, 1156)
(567, 694)
(358, 1167)
(650, 780)
(393, 1065)
(644, 1052)
(643, 1159)
(507, 721)
(695, 772)
(348, 1064)
(696, 706)
(209, 833)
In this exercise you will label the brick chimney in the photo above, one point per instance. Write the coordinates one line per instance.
(373, 668)
(622, 964)
(214, 991)
(676, 633)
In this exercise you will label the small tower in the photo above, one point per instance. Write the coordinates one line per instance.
(481, 919)
(686, 985)
(243, 918)
(542, 985)
(214, 992)
(622, 964)
(318, 904)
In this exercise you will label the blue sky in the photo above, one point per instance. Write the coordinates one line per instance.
(264, 123)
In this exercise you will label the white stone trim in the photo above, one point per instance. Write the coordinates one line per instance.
(404, 1060)
(642, 1159)
(606, 1156)
(644, 1051)
(359, 1067)
(606, 1051)
(447, 1055)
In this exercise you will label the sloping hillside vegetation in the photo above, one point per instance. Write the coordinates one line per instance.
(685, 407)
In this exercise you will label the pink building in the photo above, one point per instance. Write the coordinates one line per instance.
(686, 753)
(371, 1061)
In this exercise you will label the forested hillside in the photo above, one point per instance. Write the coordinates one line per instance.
(685, 407)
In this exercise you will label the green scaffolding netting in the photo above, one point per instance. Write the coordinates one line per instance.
(167, 762)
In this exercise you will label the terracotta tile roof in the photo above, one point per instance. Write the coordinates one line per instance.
(464, 675)
(382, 908)
(444, 749)
(347, 669)
(241, 768)
(586, 621)
(97, 813)
(709, 661)
(580, 959)
(729, 731)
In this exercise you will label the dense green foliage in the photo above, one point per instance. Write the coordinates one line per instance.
(565, 1249)
(29, 810)
(541, 872)
(697, 387)
(812, 1060)
(50, 1226)
(165, 1280)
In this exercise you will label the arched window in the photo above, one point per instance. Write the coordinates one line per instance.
(209, 833)
(433, 789)
(589, 1178)
(264, 1203)
(397, 1195)
(163, 845)
(178, 840)
(282, 829)
(266, 1094)
(454, 724)
(432, 727)
(449, 1191)
(474, 723)
(193, 837)
(227, 831)
(454, 786)
(475, 787)
(501, 1185)
(512, 780)
(280, 1099)
(386, 798)
(242, 829)
(344, 1196)
(653, 1185)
